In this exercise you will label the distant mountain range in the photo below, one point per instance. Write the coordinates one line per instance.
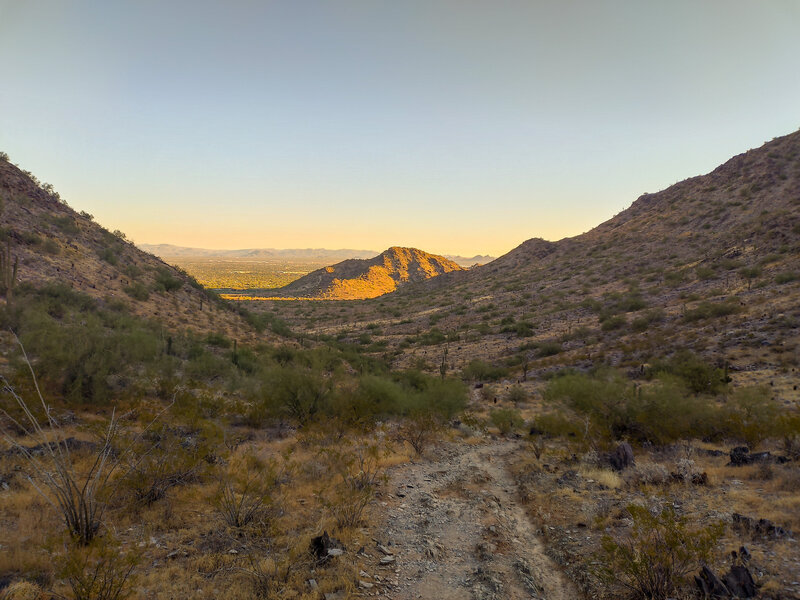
(169, 251)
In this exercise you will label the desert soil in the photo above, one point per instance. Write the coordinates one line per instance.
(455, 531)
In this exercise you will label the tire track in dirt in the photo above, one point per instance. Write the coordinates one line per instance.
(456, 531)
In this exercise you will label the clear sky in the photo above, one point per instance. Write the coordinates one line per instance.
(454, 126)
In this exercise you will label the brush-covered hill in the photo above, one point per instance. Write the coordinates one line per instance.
(710, 264)
(357, 279)
(45, 242)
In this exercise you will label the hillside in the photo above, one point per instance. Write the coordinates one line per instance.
(55, 244)
(358, 279)
(711, 263)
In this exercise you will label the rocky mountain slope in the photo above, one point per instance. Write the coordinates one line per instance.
(711, 264)
(51, 243)
(358, 279)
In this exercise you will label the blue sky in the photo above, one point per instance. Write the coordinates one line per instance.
(454, 126)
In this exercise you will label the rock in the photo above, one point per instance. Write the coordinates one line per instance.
(387, 560)
(759, 528)
(622, 457)
(384, 550)
(324, 546)
(366, 585)
(335, 596)
(741, 456)
(736, 583)
(710, 585)
(740, 582)
(570, 477)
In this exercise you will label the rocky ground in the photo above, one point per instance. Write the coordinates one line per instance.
(453, 530)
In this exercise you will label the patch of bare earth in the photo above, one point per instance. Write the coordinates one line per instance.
(453, 530)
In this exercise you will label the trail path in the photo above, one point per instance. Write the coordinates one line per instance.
(456, 532)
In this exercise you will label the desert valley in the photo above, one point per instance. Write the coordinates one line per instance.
(613, 413)
(421, 300)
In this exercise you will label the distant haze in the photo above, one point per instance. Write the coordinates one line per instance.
(311, 255)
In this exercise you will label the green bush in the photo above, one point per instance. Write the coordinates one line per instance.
(517, 394)
(613, 323)
(700, 376)
(786, 277)
(109, 255)
(712, 310)
(506, 419)
(165, 282)
(655, 561)
(752, 415)
(478, 370)
(137, 291)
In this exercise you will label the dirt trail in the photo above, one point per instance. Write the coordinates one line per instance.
(456, 532)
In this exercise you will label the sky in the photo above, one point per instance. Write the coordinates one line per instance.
(454, 126)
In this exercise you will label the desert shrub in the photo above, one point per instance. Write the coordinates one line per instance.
(704, 273)
(549, 348)
(65, 224)
(432, 337)
(109, 255)
(613, 323)
(78, 496)
(248, 485)
(479, 370)
(786, 277)
(659, 413)
(643, 322)
(51, 246)
(750, 273)
(163, 458)
(408, 394)
(165, 282)
(666, 412)
(662, 550)
(751, 415)
(517, 394)
(218, 340)
(699, 375)
(712, 310)
(419, 430)
(556, 424)
(101, 570)
(358, 473)
(297, 392)
(83, 352)
(789, 431)
(605, 398)
(137, 291)
(506, 419)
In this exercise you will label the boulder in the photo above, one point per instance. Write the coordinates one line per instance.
(323, 547)
(763, 528)
(622, 457)
(710, 585)
(740, 582)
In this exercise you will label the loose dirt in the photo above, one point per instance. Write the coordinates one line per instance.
(455, 531)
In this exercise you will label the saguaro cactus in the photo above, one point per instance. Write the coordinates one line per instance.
(8, 270)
